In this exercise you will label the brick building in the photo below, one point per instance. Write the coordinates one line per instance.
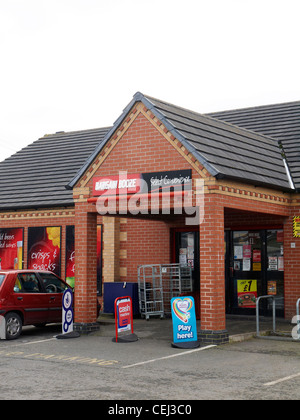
(232, 216)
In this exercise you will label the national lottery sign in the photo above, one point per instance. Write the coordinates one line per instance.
(184, 322)
(67, 312)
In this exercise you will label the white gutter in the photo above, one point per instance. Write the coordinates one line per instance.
(288, 174)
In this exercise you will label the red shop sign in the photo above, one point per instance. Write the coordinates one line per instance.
(116, 184)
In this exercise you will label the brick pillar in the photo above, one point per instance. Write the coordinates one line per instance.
(291, 266)
(111, 249)
(212, 273)
(85, 269)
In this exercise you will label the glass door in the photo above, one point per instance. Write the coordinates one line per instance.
(186, 252)
(254, 267)
(246, 271)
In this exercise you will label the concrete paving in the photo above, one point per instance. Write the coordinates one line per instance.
(239, 328)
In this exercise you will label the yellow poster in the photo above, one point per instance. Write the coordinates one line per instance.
(256, 266)
(296, 226)
(247, 293)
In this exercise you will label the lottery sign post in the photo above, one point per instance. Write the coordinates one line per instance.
(67, 312)
(67, 316)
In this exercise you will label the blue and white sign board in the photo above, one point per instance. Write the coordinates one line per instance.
(184, 322)
(67, 311)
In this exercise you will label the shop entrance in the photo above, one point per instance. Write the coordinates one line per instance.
(186, 251)
(254, 267)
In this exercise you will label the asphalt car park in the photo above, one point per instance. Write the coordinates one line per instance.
(93, 367)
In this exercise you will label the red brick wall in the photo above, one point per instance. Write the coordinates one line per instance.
(148, 242)
(86, 264)
(212, 266)
(291, 265)
(142, 149)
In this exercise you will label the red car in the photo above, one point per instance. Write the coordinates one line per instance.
(30, 297)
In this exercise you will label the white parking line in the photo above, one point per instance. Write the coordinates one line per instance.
(168, 357)
(286, 378)
(32, 342)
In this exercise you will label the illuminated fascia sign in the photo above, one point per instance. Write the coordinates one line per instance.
(144, 182)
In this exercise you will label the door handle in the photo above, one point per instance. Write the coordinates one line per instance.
(19, 298)
(52, 297)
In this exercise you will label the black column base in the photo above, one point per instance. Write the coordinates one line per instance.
(213, 337)
(187, 345)
(86, 328)
(127, 338)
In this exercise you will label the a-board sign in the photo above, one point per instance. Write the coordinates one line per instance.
(184, 322)
(67, 311)
(124, 319)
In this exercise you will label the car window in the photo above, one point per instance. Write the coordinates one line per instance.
(27, 283)
(52, 283)
(2, 277)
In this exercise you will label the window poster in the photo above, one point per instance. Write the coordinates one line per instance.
(246, 251)
(247, 293)
(11, 248)
(256, 255)
(246, 264)
(272, 264)
(70, 255)
(272, 287)
(296, 226)
(44, 248)
(280, 264)
(256, 266)
(238, 252)
(183, 256)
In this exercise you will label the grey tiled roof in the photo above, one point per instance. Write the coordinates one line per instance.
(231, 151)
(279, 121)
(37, 175)
(225, 150)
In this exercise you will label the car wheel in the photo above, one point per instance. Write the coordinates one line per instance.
(13, 325)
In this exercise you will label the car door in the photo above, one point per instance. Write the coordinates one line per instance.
(31, 299)
(54, 288)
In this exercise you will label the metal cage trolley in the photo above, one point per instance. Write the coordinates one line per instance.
(158, 284)
(150, 291)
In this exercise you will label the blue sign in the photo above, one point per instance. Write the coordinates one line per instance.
(184, 322)
(67, 311)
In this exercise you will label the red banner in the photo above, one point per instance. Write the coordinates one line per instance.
(44, 248)
(11, 249)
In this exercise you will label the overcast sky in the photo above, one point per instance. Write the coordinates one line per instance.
(75, 64)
